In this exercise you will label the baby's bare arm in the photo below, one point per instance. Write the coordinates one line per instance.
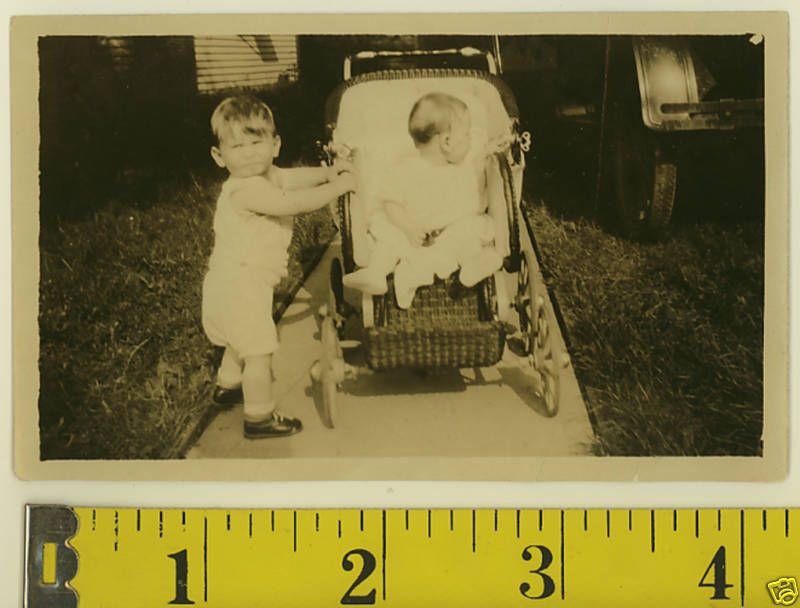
(261, 196)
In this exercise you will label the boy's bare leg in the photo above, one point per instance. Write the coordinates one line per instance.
(257, 386)
(229, 374)
(261, 421)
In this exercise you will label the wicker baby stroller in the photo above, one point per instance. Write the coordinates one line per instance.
(369, 112)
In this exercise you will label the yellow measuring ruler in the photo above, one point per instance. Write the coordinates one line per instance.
(142, 558)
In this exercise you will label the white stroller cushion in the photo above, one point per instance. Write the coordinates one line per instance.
(373, 118)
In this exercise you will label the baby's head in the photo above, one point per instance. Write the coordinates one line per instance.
(247, 142)
(439, 124)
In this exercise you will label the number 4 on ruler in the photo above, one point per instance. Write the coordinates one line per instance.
(718, 584)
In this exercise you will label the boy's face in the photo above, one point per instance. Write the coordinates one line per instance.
(456, 143)
(246, 152)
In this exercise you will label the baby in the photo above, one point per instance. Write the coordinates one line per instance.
(252, 231)
(431, 222)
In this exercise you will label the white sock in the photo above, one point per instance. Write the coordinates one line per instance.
(258, 412)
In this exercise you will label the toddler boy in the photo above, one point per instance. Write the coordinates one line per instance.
(252, 231)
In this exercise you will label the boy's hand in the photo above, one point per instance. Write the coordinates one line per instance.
(346, 182)
(340, 165)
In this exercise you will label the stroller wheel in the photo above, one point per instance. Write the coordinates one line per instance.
(538, 342)
(329, 371)
(336, 306)
(546, 360)
(524, 307)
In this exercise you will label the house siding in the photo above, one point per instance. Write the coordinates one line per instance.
(244, 61)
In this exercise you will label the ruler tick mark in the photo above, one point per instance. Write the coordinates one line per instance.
(495, 520)
(116, 530)
(451, 520)
(228, 522)
(674, 520)
(608, 523)
(563, 557)
(250, 525)
(786, 523)
(764, 520)
(94, 520)
(540, 520)
(316, 522)
(294, 531)
(630, 520)
(517, 523)
(719, 520)
(429, 523)
(585, 520)
(696, 523)
(652, 531)
(383, 553)
(205, 559)
(741, 554)
(361, 520)
(272, 520)
(161, 524)
(340, 528)
(138, 520)
(473, 530)
(406, 519)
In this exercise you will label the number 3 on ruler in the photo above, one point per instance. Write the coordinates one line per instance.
(549, 584)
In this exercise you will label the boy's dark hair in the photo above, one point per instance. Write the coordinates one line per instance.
(433, 114)
(245, 111)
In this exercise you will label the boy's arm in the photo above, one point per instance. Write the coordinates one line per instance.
(261, 196)
(306, 177)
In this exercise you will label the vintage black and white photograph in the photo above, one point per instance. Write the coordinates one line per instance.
(291, 245)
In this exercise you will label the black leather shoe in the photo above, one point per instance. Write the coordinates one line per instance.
(276, 426)
(227, 397)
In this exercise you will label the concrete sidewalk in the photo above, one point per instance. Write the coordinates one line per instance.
(488, 412)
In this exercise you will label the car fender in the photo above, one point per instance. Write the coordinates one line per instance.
(665, 71)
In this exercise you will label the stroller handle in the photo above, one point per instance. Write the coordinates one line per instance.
(467, 51)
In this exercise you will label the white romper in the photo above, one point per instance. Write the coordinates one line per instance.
(250, 256)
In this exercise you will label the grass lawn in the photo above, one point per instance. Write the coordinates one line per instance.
(125, 369)
(665, 338)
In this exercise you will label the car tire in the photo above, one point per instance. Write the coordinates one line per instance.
(643, 176)
(640, 170)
